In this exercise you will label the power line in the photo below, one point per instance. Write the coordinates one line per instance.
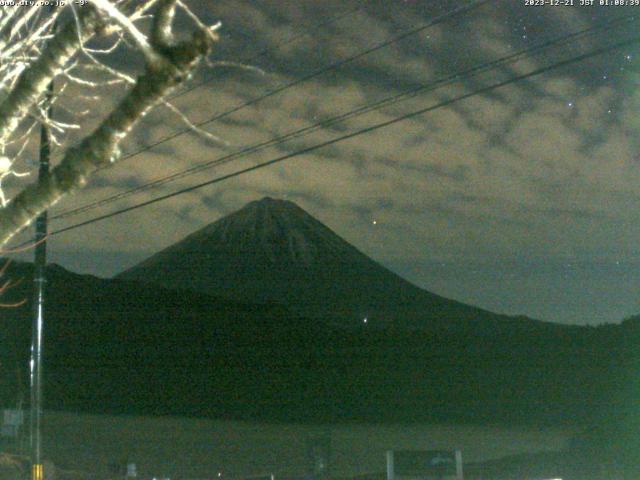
(371, 128)
(277, 46)
(379, 46)
(439, 19)
(463, 75)
(241, 62)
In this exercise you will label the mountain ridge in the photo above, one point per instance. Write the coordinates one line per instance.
(126, 347)
(272, 250)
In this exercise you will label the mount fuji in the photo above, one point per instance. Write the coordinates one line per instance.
(272, 251)
(282, 338)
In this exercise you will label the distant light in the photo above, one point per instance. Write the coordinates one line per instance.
(374, 222)
(219, 474)
(365, 320)
(570, 104)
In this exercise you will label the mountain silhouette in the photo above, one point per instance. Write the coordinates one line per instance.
(282, 338)
(126, 347)
(273, 251)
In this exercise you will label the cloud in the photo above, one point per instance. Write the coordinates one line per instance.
(545, 167)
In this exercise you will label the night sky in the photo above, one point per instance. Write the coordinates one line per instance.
(522, 200)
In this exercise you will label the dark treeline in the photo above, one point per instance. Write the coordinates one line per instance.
(123, 347)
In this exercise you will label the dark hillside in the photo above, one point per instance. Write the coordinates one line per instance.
(123, 347)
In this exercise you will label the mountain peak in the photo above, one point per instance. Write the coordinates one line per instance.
(272, 202)
(275, 206)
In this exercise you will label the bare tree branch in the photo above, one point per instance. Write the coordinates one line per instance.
(34, 80)
(171, 64)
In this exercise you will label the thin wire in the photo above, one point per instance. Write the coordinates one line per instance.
(459, 76)
(298, 81)
(439, 19)
(277, 46)
(248, 60)
(371, 128)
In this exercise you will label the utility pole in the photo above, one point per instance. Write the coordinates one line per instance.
(37, 329)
